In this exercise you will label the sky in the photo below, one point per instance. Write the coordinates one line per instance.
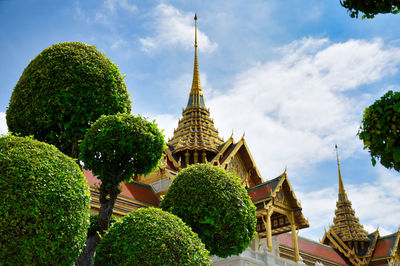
(293, 76)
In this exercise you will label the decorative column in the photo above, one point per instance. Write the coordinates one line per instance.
(203, 157)
(187, 158)
(196, 157)
(294, 237)
(268, 229)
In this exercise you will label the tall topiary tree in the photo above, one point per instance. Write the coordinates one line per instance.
(215, 205)
(62, 91)
(380, 130)
(370, 8)
(151, 237)
(44, 204)
(115, 148)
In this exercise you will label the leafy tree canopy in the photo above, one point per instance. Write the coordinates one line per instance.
(118, 146)
(44, 205)
(380, 130)
(62, 91)
(215, 205)
(370, 8)
(151, 237)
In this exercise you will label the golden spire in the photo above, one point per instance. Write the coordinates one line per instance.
(196, 133)
(196, 98)
(345, 224)
(342, 192)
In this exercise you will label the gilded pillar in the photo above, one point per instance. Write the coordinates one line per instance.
(268, 229)
(203, 157)
(187, 158)
(294, 238)
(196, 157)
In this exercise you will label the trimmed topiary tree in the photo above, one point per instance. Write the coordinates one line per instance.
(380, 130)
(151, 237)
(62, 91)
(370, 8)
(44, 206)
(115, 148)
(215, 205)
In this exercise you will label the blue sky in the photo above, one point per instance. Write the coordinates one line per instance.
(294, 76)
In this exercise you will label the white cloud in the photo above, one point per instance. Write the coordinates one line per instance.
(174, 27)
(295, 109)
(119, 43)
(104, 13)
(165, 122)
(376, 204)
(112, 5)
(3, 124)
(181, 86)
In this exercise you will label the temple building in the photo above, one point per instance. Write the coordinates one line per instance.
(346, 242)
(279, 212)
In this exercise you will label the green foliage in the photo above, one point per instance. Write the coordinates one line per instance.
(44, 204)
(94, 225)
(118, 146)
(214, 204)
(370, 8)
(151, 237)
(62, 91)
(380, 130)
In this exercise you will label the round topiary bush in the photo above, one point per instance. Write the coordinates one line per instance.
(151, 237)
(44, 206)
(215, 205)
(118, 146)
(62, 91)
(380, 130)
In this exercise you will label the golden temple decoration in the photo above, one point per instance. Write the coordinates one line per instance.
(347, 234)
(346, 224)
(196, 139)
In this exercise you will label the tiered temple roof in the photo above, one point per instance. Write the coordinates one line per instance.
(346, 234)
(345, 224)
(196, 139)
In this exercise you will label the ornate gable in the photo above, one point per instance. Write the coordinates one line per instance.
(278, 210)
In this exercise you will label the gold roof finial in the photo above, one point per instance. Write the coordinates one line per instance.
(195, 30)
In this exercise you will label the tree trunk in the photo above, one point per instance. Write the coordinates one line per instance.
(107, 201)
(74, 149)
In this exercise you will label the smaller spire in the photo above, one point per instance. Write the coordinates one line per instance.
(342, 192)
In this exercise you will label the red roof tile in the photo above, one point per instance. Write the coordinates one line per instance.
(260, 192)
(133, 190)
(312, 248)
(383, 247)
